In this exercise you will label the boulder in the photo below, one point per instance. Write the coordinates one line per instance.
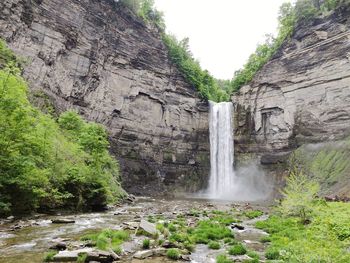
(148, 227)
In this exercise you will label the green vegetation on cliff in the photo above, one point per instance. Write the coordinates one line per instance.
(219, 90)
(289, 17)
(47, 164)
(179, 53)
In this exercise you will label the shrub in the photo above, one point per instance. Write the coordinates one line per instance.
(238, 249)
(299, 196)
(173, 253)
(214, 245)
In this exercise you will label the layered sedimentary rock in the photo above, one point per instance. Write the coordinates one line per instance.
(302, 95)
(98, 58)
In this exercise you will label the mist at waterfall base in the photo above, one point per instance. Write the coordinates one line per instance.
(245, 183)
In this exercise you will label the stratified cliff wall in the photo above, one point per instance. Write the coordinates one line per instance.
(97, 57)
(302, 95)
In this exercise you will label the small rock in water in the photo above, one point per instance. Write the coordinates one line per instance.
(63, 221)
(239, 227)
(59, 245)
(185, 257)
(143, 254)
(10, 218)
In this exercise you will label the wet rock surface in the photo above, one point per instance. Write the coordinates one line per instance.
(30, 243)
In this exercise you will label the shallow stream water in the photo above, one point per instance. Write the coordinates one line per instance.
(30, 243)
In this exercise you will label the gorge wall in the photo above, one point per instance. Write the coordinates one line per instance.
(302, 95)
(100, 59)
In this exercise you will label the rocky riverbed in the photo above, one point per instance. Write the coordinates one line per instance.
(29, 240)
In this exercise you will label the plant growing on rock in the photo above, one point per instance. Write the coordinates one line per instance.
(238, 249)
(146, 244)
(223, 259)
(173, 253)
(214, 245)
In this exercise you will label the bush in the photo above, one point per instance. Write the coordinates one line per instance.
(214, 245)
(298, 196)
(238, 249)
(173, 253)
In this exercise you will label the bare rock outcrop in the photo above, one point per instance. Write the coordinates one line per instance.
(302, 95)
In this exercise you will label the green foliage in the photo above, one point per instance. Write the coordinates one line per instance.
(214, 245)
(146, 243)
(207, 230)
(265, 239)
(253, 254)
(181, 56)
(238, 249)
(327, 163)
(45, 164)
(272, 253)
(299, 196)
(173, 253)
(179, 53)
(253, 213)
(108, 239)
(223, 259)
(49, 255)
(289, 17)
(325, 239)
(82, 258)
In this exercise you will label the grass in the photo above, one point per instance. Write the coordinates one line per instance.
(325, 239)
(207, 230)
(146, 243)
(214, 245)
(108, 239)
(82, 258)
(173, 253)
(251, 214)
(223, 259)
(49, 255)
(236, 250)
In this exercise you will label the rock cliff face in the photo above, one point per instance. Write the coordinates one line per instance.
(97, 57)
(302, 95)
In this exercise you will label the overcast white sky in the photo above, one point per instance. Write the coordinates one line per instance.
(223, 33)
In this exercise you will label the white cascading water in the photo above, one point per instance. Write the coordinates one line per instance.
(222, 176)
(248, 183)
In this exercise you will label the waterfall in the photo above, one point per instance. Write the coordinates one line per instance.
(222, 175)
(246, 183)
